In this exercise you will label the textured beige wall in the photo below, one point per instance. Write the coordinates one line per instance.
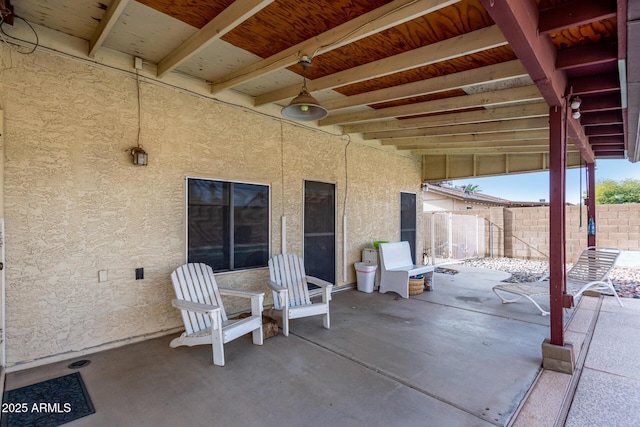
(75, 204)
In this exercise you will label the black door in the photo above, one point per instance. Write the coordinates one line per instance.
(320, 230)
(408, 221)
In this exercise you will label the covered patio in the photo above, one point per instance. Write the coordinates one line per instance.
(453, 356)
(120, 119)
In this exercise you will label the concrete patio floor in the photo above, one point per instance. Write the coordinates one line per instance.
(455, 356)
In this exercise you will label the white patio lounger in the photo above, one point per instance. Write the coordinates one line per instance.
(590, 271)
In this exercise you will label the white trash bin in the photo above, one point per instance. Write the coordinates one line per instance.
(366, 276)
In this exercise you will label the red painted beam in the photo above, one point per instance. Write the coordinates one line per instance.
(609, 150)
(621, 10)
(585, 55)
(557, 240)
(622, 55)
(607, 140)
(574, 14)
(602, 102)
(518, 21)
(611, 154)
(598, 84)
(591, 203)
(602, 118)
(606, 130)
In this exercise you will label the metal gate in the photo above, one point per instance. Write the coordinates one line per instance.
(450, 237)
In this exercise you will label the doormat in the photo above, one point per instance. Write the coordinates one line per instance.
(48, 403)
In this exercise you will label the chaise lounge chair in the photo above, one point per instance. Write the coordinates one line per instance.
(590, 271)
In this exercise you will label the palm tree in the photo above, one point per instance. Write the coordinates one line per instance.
(471, 188)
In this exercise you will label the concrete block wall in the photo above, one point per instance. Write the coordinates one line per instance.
(618, 226)
(524, 232)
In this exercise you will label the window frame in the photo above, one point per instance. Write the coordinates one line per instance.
(413, 244)
(231, 222)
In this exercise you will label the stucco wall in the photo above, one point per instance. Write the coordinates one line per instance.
(74, 204)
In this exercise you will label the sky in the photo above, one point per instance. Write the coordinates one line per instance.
(532, 187)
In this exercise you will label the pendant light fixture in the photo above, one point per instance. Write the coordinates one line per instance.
(304, 107)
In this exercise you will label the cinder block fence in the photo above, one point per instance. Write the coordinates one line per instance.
(524, 232)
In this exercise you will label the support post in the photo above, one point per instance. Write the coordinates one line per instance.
(557, 174)
(591, 204)
(556, 354)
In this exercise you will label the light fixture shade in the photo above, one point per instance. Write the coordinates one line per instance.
(576, 114)
(304, 107)
(139, 156)
(575, 103)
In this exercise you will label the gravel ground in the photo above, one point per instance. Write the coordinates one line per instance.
(626, 281)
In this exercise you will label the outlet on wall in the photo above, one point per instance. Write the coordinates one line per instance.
(139, 273)
(102, 276)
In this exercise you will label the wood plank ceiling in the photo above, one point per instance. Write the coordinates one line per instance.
(465, 84)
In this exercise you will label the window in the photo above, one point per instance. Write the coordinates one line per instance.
(227, 224)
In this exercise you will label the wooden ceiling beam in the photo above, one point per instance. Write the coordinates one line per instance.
(574, 14)
(602, 140)
(481, 116)
(483, 99)
(592, 85)
(604, 102)
(605, 130)
(585, 55)
(491, 73)
(107, 22)
(451, 166)
(232, 16)
(601, 118)
(380, 19)
(497, 138)
(518, 20)
(613, 154)
(466, 44)
(609, 151)
(534, 123)
(487, 150)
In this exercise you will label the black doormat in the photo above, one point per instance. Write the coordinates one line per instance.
(49, 403)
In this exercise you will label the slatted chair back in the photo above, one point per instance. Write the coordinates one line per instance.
(594, 264)
(287, 270)
(196, 283)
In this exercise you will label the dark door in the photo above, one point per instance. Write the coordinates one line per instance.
(408, 221)
(320, 230)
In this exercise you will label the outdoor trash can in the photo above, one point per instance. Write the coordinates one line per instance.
(366, 276)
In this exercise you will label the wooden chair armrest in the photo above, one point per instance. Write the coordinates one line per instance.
(257, 298)
(326, 287)
(319, 282)
(194, 306)
(283, 294)
(240, 293)
(275, 287)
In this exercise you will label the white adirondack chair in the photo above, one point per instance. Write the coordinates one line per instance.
(205, 321)
(291, 294)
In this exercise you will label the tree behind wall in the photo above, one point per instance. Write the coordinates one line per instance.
(610, 192)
